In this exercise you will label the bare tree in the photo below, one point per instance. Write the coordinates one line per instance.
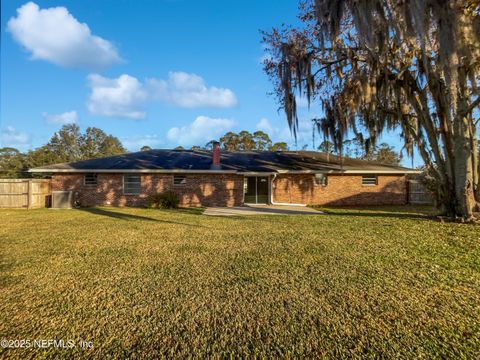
(377, 65)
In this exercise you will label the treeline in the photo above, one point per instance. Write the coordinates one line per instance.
(66, 145)
(382, 153)
(243, 141)
(70, 144)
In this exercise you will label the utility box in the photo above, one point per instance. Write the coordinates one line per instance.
(62, 199)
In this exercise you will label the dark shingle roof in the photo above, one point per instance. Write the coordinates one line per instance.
(244, 161)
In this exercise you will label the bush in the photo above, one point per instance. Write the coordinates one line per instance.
(165, 200)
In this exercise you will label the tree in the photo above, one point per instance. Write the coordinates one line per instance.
(242, 141)
(95, 143)
(179, 148)
(279, 146)
(41, 156)
(230, 141)
(12, 162)
(384, 154)
(145, 148)
(327, 147)
(246, 141)
(69, 144)
(385, 64)
(353, 148)
(111, 145)
(262, 140)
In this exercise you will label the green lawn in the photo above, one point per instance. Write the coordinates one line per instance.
(145, 283)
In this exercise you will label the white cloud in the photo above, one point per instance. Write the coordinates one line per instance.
(122, 97)
(200, 131)
(68, 117)
(264, 125)
(304, 132)
(134, 143)
(126, 96)
(189, 90)
(54, 35)
(275, 133)
(11, 137)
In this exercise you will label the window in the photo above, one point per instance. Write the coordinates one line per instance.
(90, 179)
(179, 180)
(369, 180)
(131, 184)
(321, 179)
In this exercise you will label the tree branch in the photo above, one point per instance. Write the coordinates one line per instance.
(472, 106)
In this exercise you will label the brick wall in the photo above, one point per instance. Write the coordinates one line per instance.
(199, 190)
(341, 190)
(227, 189)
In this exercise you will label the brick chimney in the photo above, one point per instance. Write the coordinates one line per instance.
(216, 156)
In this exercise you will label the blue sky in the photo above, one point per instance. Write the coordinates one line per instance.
(151, 72)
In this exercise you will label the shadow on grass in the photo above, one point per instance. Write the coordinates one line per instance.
(379, 212)
(126, 216)
(398, 212)
(191, 210)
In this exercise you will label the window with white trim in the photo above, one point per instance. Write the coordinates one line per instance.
(90, 179)
(179, 180)
(369, 180)
(131, 184)
(321, 179)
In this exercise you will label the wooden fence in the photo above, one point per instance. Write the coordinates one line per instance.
(417, 194)
(24, 193)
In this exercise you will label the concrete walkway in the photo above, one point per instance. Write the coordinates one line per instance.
(260, 210)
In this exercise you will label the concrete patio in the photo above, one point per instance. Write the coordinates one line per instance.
(261, 210)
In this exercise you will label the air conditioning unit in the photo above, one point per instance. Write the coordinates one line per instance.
(62, 199)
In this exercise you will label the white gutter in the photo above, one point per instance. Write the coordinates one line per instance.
(278, 203)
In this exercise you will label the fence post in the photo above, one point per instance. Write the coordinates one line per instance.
(29, 195)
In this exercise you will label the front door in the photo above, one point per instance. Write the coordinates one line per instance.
(256, 189)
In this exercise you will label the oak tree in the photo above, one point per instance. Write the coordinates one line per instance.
(378, 65)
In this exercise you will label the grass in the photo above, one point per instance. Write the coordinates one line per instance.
(376, 283)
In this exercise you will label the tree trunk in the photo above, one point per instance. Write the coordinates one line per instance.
(476, 166)
(464, 194)
(464, 171)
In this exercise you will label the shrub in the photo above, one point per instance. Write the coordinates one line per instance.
(165, 200)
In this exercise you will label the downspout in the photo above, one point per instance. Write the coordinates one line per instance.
(277, 203)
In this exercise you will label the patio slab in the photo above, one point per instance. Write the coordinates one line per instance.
(260, 210)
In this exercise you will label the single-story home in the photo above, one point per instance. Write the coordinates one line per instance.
(215, 178)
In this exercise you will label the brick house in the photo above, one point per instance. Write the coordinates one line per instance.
(203, 178)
